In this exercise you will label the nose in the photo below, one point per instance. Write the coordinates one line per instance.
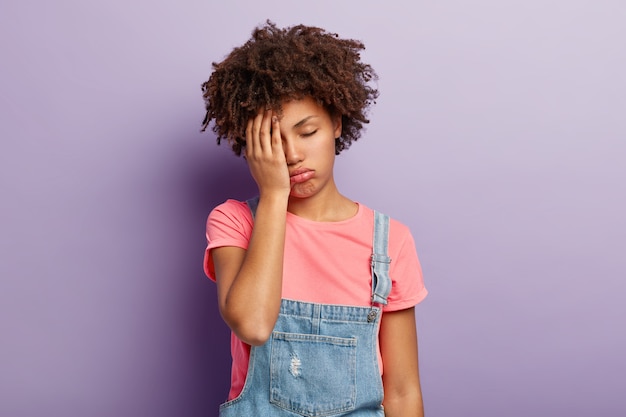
(293, 153)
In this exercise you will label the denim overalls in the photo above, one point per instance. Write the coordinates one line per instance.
(321, 359)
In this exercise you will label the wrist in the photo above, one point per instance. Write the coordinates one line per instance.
(274, 197)
(273, 202)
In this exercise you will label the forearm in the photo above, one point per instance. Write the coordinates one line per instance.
(409, 405)
(401, 381)
(252, 303)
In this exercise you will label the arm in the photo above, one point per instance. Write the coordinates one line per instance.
(398, 347)
(249, 282)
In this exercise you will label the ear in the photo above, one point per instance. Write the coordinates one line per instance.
(337, 125)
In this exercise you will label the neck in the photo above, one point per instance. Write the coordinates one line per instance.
(330, 206)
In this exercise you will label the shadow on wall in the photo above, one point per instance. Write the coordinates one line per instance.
(209, 175)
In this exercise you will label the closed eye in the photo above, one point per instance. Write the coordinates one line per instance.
(306, 135)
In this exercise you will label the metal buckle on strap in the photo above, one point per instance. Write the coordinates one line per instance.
(371, 316)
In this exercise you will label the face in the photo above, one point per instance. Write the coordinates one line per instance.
(308, 133)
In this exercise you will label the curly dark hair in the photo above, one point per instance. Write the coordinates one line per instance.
(285, 64)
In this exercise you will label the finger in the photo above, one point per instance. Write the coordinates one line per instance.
(254, 133)
(265, 138)
(277, 141)
(249, 141)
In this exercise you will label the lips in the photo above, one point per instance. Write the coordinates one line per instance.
(300, 175)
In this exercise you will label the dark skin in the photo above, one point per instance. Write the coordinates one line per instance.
(292, 159)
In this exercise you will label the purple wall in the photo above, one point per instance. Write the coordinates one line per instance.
(499, 138)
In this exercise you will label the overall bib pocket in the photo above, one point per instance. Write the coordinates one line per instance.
(313, 375)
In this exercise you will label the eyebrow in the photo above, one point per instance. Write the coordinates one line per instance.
(303, 121)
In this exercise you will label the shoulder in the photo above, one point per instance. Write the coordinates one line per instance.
(231, 205)
(398, 231)
(231, 209)
(231, 214)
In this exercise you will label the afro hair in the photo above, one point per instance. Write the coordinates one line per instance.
(277, 64)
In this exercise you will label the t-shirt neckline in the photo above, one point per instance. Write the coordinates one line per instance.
(295, 218)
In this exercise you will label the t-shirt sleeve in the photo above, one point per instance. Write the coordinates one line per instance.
(407, 287)
(229, 224)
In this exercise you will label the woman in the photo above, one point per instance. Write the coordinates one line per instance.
(318, 290)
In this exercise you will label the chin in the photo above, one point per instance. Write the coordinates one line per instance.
(303, 190)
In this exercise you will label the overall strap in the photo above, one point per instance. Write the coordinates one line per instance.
(252, 204)
(381, 282)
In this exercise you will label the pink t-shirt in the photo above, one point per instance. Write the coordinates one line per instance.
(324, 262)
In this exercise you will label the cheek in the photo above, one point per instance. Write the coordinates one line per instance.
(321, 149)
(330, 146)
